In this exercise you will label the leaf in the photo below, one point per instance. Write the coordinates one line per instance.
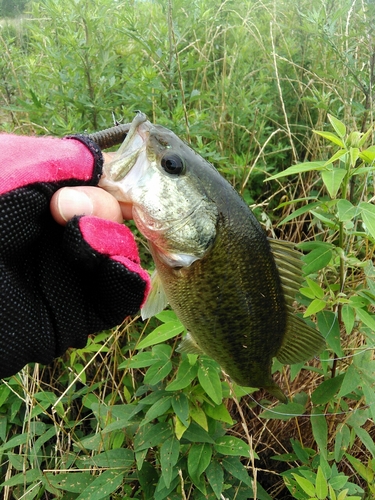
(339, 127)
(298, 212)
(321, 486)
(199, 416)
(330, 137)
(366, 318)
(315, 306)
(351, 382)
(74, 482)
(315, 287)
(348, 317)
(219, 412)
(346, 211)
(215, 476)
(210, 381)
(161, 334)
(316, 259)
(332, 180)
(325, 392)
(151, 435)
(328, 326)
(365, 472)
(102, 486)
(158, 372)
(185, 375)
(284, 411)
(320, 431)
(236, 469)
(230, 445)
(298, 169)
(199, 458)
(169, 454)
(342, 441)
(159, 408)
(368, 215)
(305, 484)
(180, 405)
(116, 458)
(196, 434)
(27, 477)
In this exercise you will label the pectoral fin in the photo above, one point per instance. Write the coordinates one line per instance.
(157, 300)
(189, 346)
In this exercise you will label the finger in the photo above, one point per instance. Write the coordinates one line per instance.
(84, 200)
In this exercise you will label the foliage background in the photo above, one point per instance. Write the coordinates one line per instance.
(246, 82)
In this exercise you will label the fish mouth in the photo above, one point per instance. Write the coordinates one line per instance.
(129, 153)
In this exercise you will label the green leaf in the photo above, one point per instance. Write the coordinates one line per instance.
(298, 212)
(161, 334)
(196, 434)
(365, 472)
(351, 381)
(27, 477)
(315, 306)
(305, 484)
(332, 180)
(321, 486)
(169, 454)
(158, 372)
(320, 431)
(325, 392)
(348, 317)
(215, 476)
(368, 215)
(331, 137)
(105, 484)
(236, 469)
(185, 375)
(298, 169)
(199, 459)
(230, 445)
(315, 287)
(74, 482)
(219, 412)
(328, 326)
(180, 405)
(284, 411)
(151, 435)
(316, 259)
(346, 211)
(339, 127)
(342, 441)
(115, 459)
(210, 381)
(159, 408)
(366, 318)
(368, 155)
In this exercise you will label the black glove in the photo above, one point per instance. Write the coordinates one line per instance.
(58, 284)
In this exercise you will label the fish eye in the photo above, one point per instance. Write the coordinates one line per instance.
(172, 164)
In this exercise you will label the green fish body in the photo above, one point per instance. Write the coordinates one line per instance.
(230, 285)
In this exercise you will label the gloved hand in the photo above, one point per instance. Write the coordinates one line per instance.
(58, 284)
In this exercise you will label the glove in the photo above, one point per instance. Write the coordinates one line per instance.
(58, 284)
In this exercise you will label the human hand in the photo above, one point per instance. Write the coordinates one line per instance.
(87, 200)
(58, 284)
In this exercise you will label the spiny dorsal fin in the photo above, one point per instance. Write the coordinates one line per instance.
(300, 342)
(157, 300)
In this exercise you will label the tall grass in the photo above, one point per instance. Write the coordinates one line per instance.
(246, 82)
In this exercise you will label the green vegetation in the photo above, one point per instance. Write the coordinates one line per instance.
(270, 91)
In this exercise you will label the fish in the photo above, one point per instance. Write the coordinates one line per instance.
(231, 286)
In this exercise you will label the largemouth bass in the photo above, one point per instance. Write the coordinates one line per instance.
(230, 285)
